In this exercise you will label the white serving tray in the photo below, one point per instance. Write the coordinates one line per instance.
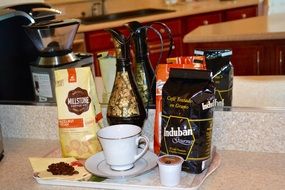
(146, 181)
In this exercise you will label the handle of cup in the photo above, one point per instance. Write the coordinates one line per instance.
(145, 149)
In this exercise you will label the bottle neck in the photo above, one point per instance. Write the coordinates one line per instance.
(142, 58)
(123, 64)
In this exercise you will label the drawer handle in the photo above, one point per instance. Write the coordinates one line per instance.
(158, 45)
(205, 22)
(281, 61)
(162, 31)
(243, 15)
(159, 50)
(258, 62)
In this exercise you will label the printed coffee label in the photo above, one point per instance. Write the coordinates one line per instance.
(186, 123)
(78, 101)
(178, 136)
(78, 106)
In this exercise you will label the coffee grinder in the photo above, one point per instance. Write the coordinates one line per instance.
(53, 40)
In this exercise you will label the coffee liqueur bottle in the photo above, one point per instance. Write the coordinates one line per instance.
(125, 104)
(143, 71)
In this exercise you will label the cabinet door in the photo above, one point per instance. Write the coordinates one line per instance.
(98, 41)
(240, 13)
(247, 59)
(280, 60)
(155, 50)
(154, 43)
(193, 22)
(175, 25)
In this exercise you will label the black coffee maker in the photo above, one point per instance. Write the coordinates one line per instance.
(16, 52)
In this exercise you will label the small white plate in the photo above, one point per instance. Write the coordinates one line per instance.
(97, 165)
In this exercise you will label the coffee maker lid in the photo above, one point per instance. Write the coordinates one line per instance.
(53, 37)
(53, 24)
(6, 14)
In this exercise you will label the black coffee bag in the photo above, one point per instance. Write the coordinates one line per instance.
(218, 61)
(187, 117)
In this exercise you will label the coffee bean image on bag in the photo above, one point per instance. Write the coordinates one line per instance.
(79, 112)
(187, 117)
(219, 62)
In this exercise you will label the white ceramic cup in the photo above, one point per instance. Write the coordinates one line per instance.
(170, 169)
(120, 145)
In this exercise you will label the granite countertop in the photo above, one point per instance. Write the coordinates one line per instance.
(181, 9)
(238, 170)
(256, 28)
(269, 95)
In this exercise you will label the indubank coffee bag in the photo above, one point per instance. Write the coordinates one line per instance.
(79, 112)
(188, 100)
(162, 73)
(219, 62)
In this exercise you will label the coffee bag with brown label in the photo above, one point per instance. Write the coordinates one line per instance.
(187, 117)
(79, 112)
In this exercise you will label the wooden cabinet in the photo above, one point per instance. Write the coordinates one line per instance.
(264, 57)
(240, 13)
(155, 44)
(246, 62)
(97, 41)
(155, 50)
(100, 40)
(193, 22)
(280, 59)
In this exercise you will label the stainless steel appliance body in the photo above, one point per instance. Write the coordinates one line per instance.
(43, 76)
(53, 40)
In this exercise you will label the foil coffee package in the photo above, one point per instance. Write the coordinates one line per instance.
(218, 61)
(79, 112)
(187, 117)
(162, 74)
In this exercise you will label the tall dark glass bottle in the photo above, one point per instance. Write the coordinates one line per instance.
(125, 104)
(143, 71)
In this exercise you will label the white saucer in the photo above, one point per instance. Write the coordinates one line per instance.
(97, 165)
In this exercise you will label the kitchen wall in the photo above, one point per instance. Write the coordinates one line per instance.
(276, 6)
